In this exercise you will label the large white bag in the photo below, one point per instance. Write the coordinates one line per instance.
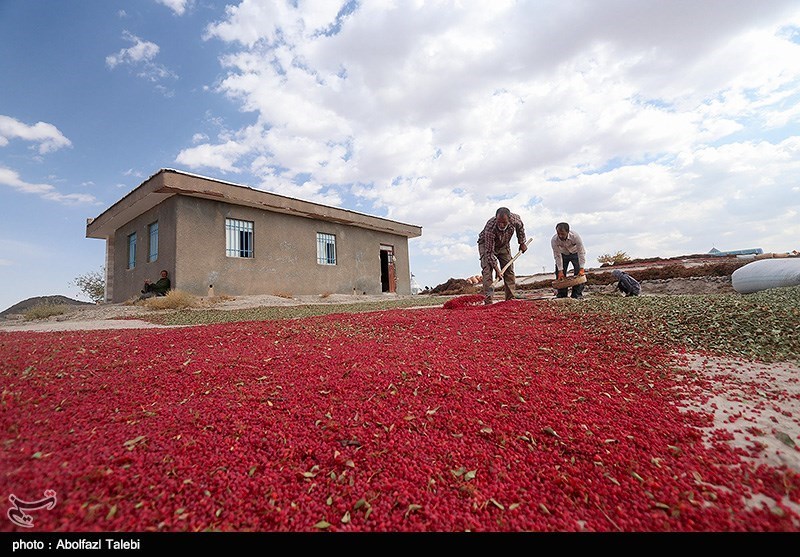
(765, 274)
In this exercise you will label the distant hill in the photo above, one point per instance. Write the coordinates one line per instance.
(25, 305)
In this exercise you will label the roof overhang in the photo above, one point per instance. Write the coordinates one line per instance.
(167, 183)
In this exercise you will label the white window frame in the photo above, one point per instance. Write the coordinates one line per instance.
(239, 238)
(326, 248)
(152, 254)
(132, 250)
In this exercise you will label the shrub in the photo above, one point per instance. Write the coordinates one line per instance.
(619, 257)
(43, 311)
(175, 299)
(93, 284)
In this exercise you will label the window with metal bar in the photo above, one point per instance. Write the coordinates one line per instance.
(238, 238)
(326, 249)
(153, 251)
(132, 250)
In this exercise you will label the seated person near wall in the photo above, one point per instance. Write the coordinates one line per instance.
(160, 288)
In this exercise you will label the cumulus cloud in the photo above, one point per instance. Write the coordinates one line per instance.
(221, 156)
(179, 7)
(12, 179)
(309, 191)
(134, 173)
(640, 122)
(140, 58)
(47, 136)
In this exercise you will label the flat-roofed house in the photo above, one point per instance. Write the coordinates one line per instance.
(244, 241)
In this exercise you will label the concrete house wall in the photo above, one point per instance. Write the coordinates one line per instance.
(191, 212)
(126, 282)
(285, 254)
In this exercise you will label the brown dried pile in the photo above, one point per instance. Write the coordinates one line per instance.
(454, 287)
(671, 271)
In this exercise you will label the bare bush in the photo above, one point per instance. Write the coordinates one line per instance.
(174, 299)
(93, 284)
(43, 311)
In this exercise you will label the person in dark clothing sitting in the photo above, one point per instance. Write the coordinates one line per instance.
(160, 288)
(626, 283)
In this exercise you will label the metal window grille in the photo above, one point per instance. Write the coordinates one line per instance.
(238, 238)
(326, 249)
(153, 252)
(132, 250)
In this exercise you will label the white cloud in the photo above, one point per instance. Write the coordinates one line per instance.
(140, 57)
(252, 21)
(221, 157)
(141, 51)
(310, 191)
(134, 173)
(46, 135)
(640, 122)
(179, 7)
(10, 178)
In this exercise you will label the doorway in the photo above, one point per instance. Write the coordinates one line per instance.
(388, 275)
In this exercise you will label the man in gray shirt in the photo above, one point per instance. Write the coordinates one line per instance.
(568, 248)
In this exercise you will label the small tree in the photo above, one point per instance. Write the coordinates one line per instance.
(613, 259)
(93, 284)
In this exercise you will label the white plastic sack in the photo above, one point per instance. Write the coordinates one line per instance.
(765, 274)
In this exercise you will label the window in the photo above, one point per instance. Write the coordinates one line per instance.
(153, 253)
(326, 249)
(238, 238)
(132, 251)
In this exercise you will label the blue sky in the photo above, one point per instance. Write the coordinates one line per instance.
(655, 128)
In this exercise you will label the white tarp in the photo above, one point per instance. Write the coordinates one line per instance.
(415, 287)
(765, 274)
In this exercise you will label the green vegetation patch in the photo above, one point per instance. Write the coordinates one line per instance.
(761, 326)
(265, 313)
(43, 311)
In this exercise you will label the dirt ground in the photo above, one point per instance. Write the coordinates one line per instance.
(759, 405)
(123, 315)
